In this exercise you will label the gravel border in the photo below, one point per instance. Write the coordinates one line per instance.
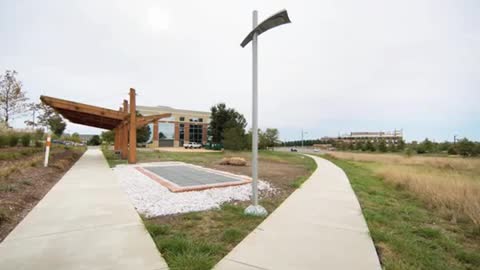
(152, 199)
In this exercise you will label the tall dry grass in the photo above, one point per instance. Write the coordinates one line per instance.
(448, 184)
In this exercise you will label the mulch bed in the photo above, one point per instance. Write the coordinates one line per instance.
(21, 190)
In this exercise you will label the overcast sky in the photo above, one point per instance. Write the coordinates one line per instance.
(340, 66)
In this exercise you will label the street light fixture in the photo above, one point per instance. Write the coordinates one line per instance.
(273, 21)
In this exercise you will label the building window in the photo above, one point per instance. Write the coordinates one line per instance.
(182, 119)
(200, 120)
(196, 134)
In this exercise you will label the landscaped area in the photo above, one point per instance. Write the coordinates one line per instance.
(422, 212)
(198, 240)
(24, 180)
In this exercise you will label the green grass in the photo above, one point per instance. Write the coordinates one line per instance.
(406, 233)
(199, 240)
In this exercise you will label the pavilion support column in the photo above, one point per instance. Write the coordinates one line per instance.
(155, 134)
(124, 141)
(116, 143)
(132, 153)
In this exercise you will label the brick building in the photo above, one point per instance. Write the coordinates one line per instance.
(182, 127)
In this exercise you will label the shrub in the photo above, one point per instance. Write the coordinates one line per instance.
(13, 140)
(26, 139)
(3, 140)
(38, 144)
(3, 216)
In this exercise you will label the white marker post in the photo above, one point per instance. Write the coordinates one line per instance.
(47, 149)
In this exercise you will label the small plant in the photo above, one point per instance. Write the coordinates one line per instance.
(156, 230)
(232, 235)
(8, 188)
(26, 182)
(25, 140)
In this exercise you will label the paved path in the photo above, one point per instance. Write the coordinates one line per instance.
(84, 222)
(320, 226)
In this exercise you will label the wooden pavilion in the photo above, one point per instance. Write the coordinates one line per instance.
(118, 121)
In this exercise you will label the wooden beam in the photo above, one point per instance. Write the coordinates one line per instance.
(144, 120)
(68, 105)
(132, 155)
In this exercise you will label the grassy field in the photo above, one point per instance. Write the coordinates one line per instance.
(422, 212)
(199, 240)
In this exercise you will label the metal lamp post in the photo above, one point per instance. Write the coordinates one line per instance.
(273, 21)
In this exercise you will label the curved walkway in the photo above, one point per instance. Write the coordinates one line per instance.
(84, 222)
(319, 226)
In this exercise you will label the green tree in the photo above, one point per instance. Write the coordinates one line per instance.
(382, 146)
(369, 146)
(75, 137)
(143, 134)
(271, 137)
(95, 140)
(108, 136)
(465, 147)
(223, 118)
(235, 139)
(57, 125)
(400, 145)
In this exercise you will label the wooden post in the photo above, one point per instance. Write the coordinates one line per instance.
(116, 141)
(155, 134)
(125, 106)
(132, 155)
(124, 140)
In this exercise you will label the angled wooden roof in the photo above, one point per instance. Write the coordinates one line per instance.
(94, 116)
(85, 114)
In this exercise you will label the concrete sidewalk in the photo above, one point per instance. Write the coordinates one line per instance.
(320, 226)
(84, 222)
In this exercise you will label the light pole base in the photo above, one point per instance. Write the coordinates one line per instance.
(255, 210)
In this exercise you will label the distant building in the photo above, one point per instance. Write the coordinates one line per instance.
(392, 137)
(182, 127)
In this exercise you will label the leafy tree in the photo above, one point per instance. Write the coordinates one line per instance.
(400, 145)
(271, 137)
(57, 125)
(452, 150)
(75, 137)
(143, 134)
(382, 146)
(235, 139)
(426, 146)
(223, 118)
(465, 147)
(108, 136)
(95, 140)
(369, 146)
(12, 97)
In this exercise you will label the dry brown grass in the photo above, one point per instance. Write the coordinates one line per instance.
(449, 163)
(449, 184)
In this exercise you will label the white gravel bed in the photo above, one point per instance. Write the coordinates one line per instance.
(152, 199)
